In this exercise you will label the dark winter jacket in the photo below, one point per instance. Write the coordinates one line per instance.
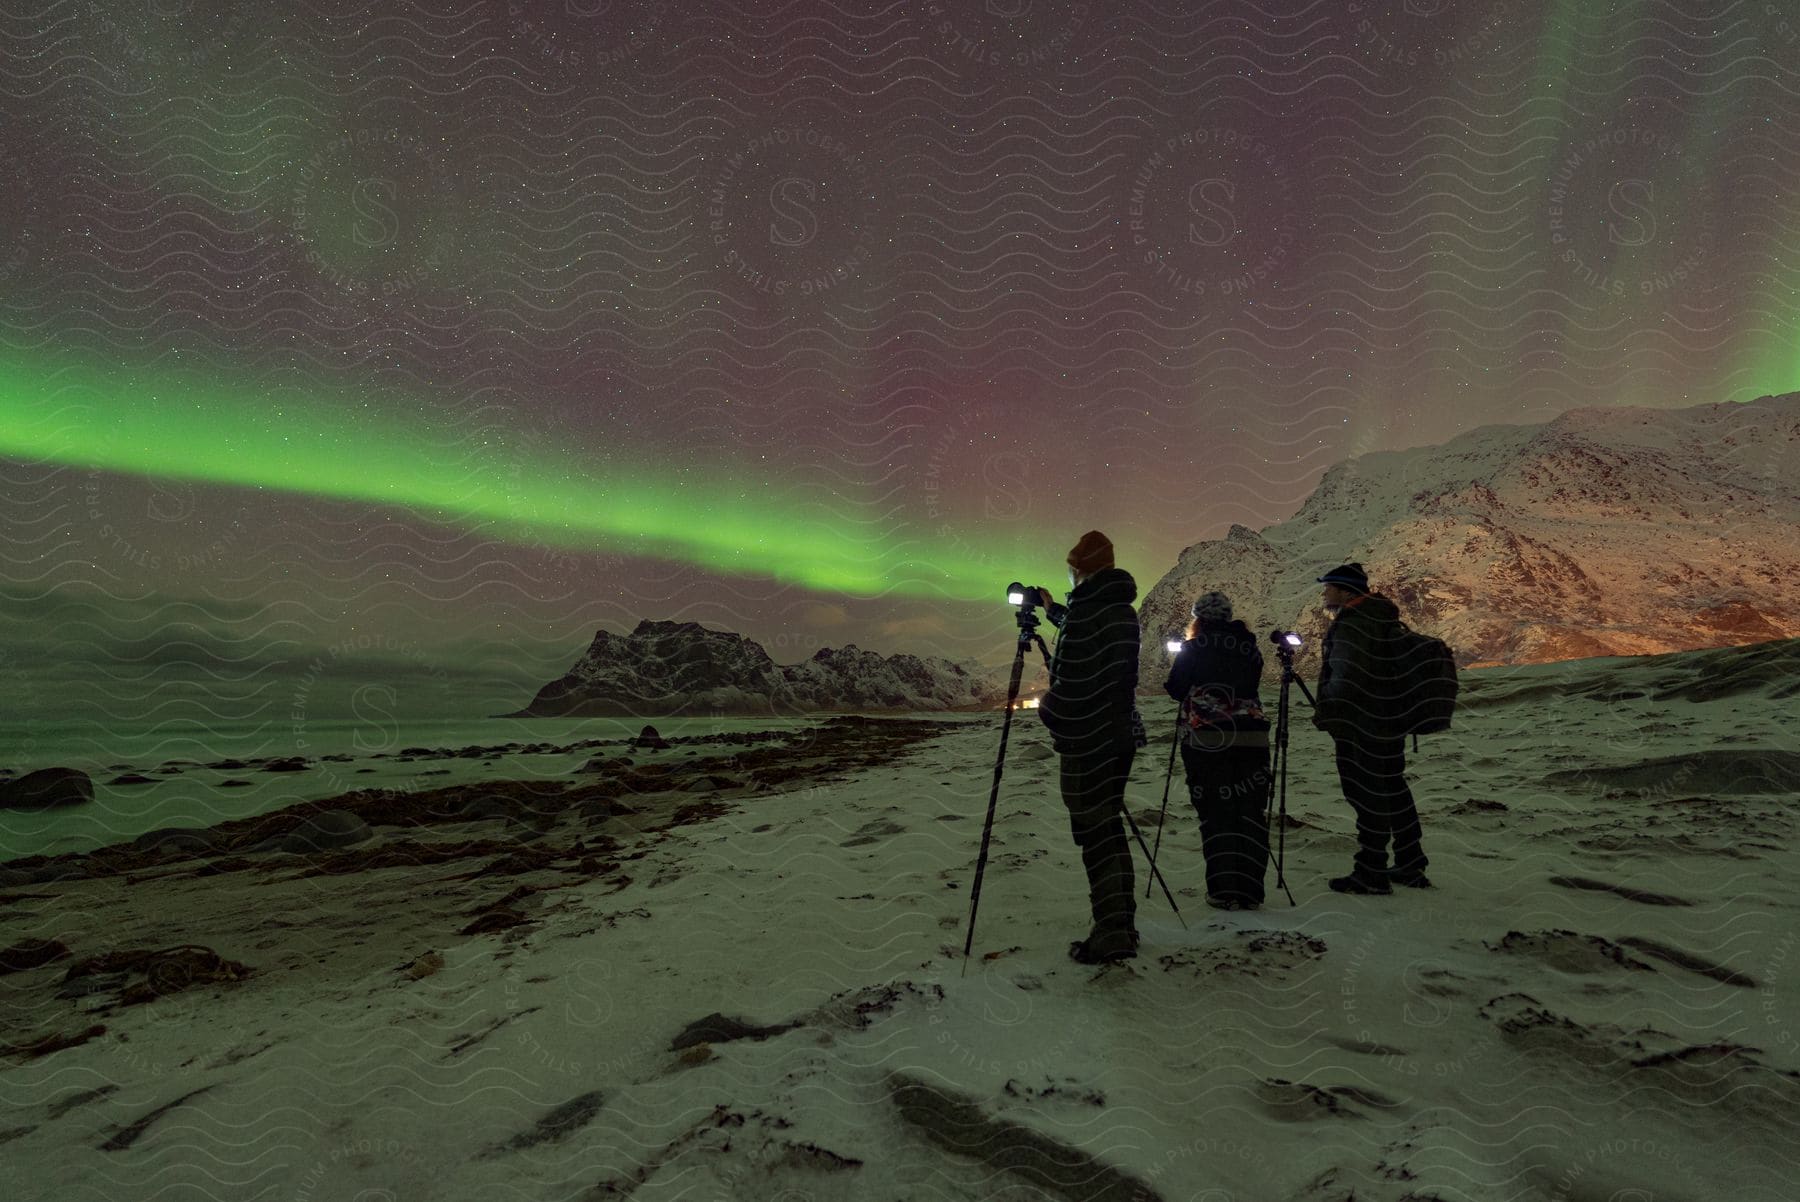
(1217, 677)
(1360, 671)
(1094, 670)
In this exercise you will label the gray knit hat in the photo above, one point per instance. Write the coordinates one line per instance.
(1213, 607)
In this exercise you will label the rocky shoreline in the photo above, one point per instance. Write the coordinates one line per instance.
(197, 788)
(493, 854)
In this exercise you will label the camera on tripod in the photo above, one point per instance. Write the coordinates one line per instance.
(1028, 597)
(1025, 596)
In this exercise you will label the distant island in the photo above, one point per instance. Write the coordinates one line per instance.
(669, 669)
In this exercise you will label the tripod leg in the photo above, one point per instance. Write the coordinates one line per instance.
(1168, 777)
(1281, 836)
(1281, 831)
(1154, 872)
(1278, 788)
(987, 829)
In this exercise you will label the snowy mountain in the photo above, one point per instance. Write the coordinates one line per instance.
(851, 678)
(1622, 531)
(664, 668)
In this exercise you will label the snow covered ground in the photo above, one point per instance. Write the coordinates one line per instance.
(1598, 998)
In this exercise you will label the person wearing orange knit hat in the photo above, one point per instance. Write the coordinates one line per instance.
(1089, 711)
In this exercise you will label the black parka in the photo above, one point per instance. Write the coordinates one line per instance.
(1361, 671)
(1094, 671)
(1223, 660)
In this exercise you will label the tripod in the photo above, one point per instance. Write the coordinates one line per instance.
(1028, 624)
(1168, 778)
(1284, 650)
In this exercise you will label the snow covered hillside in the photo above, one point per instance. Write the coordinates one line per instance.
(1604, 532)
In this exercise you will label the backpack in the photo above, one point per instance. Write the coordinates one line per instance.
(1425, 689)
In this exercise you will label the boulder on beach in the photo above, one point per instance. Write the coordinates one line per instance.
(484, 807)
(41, 874)
(31, 953)
(176, 838)
(322, 832)
(649, 740)
(292, 763)
(47, 788)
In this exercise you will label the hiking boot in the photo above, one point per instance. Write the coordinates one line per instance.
(1223, 903)
(1103, 947)
(1412, 880)
(1356, 883)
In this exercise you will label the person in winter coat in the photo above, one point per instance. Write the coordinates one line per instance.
(1089, 710)
(1224, 739)
(1358, 709)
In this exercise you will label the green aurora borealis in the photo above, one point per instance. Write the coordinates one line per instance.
(823, 328)
(176, 425)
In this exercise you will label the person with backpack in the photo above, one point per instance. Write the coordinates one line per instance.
(1090, 711)
(1363, 705)
(1224, 740)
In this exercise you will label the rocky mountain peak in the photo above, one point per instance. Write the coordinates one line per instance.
(1605, 531)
